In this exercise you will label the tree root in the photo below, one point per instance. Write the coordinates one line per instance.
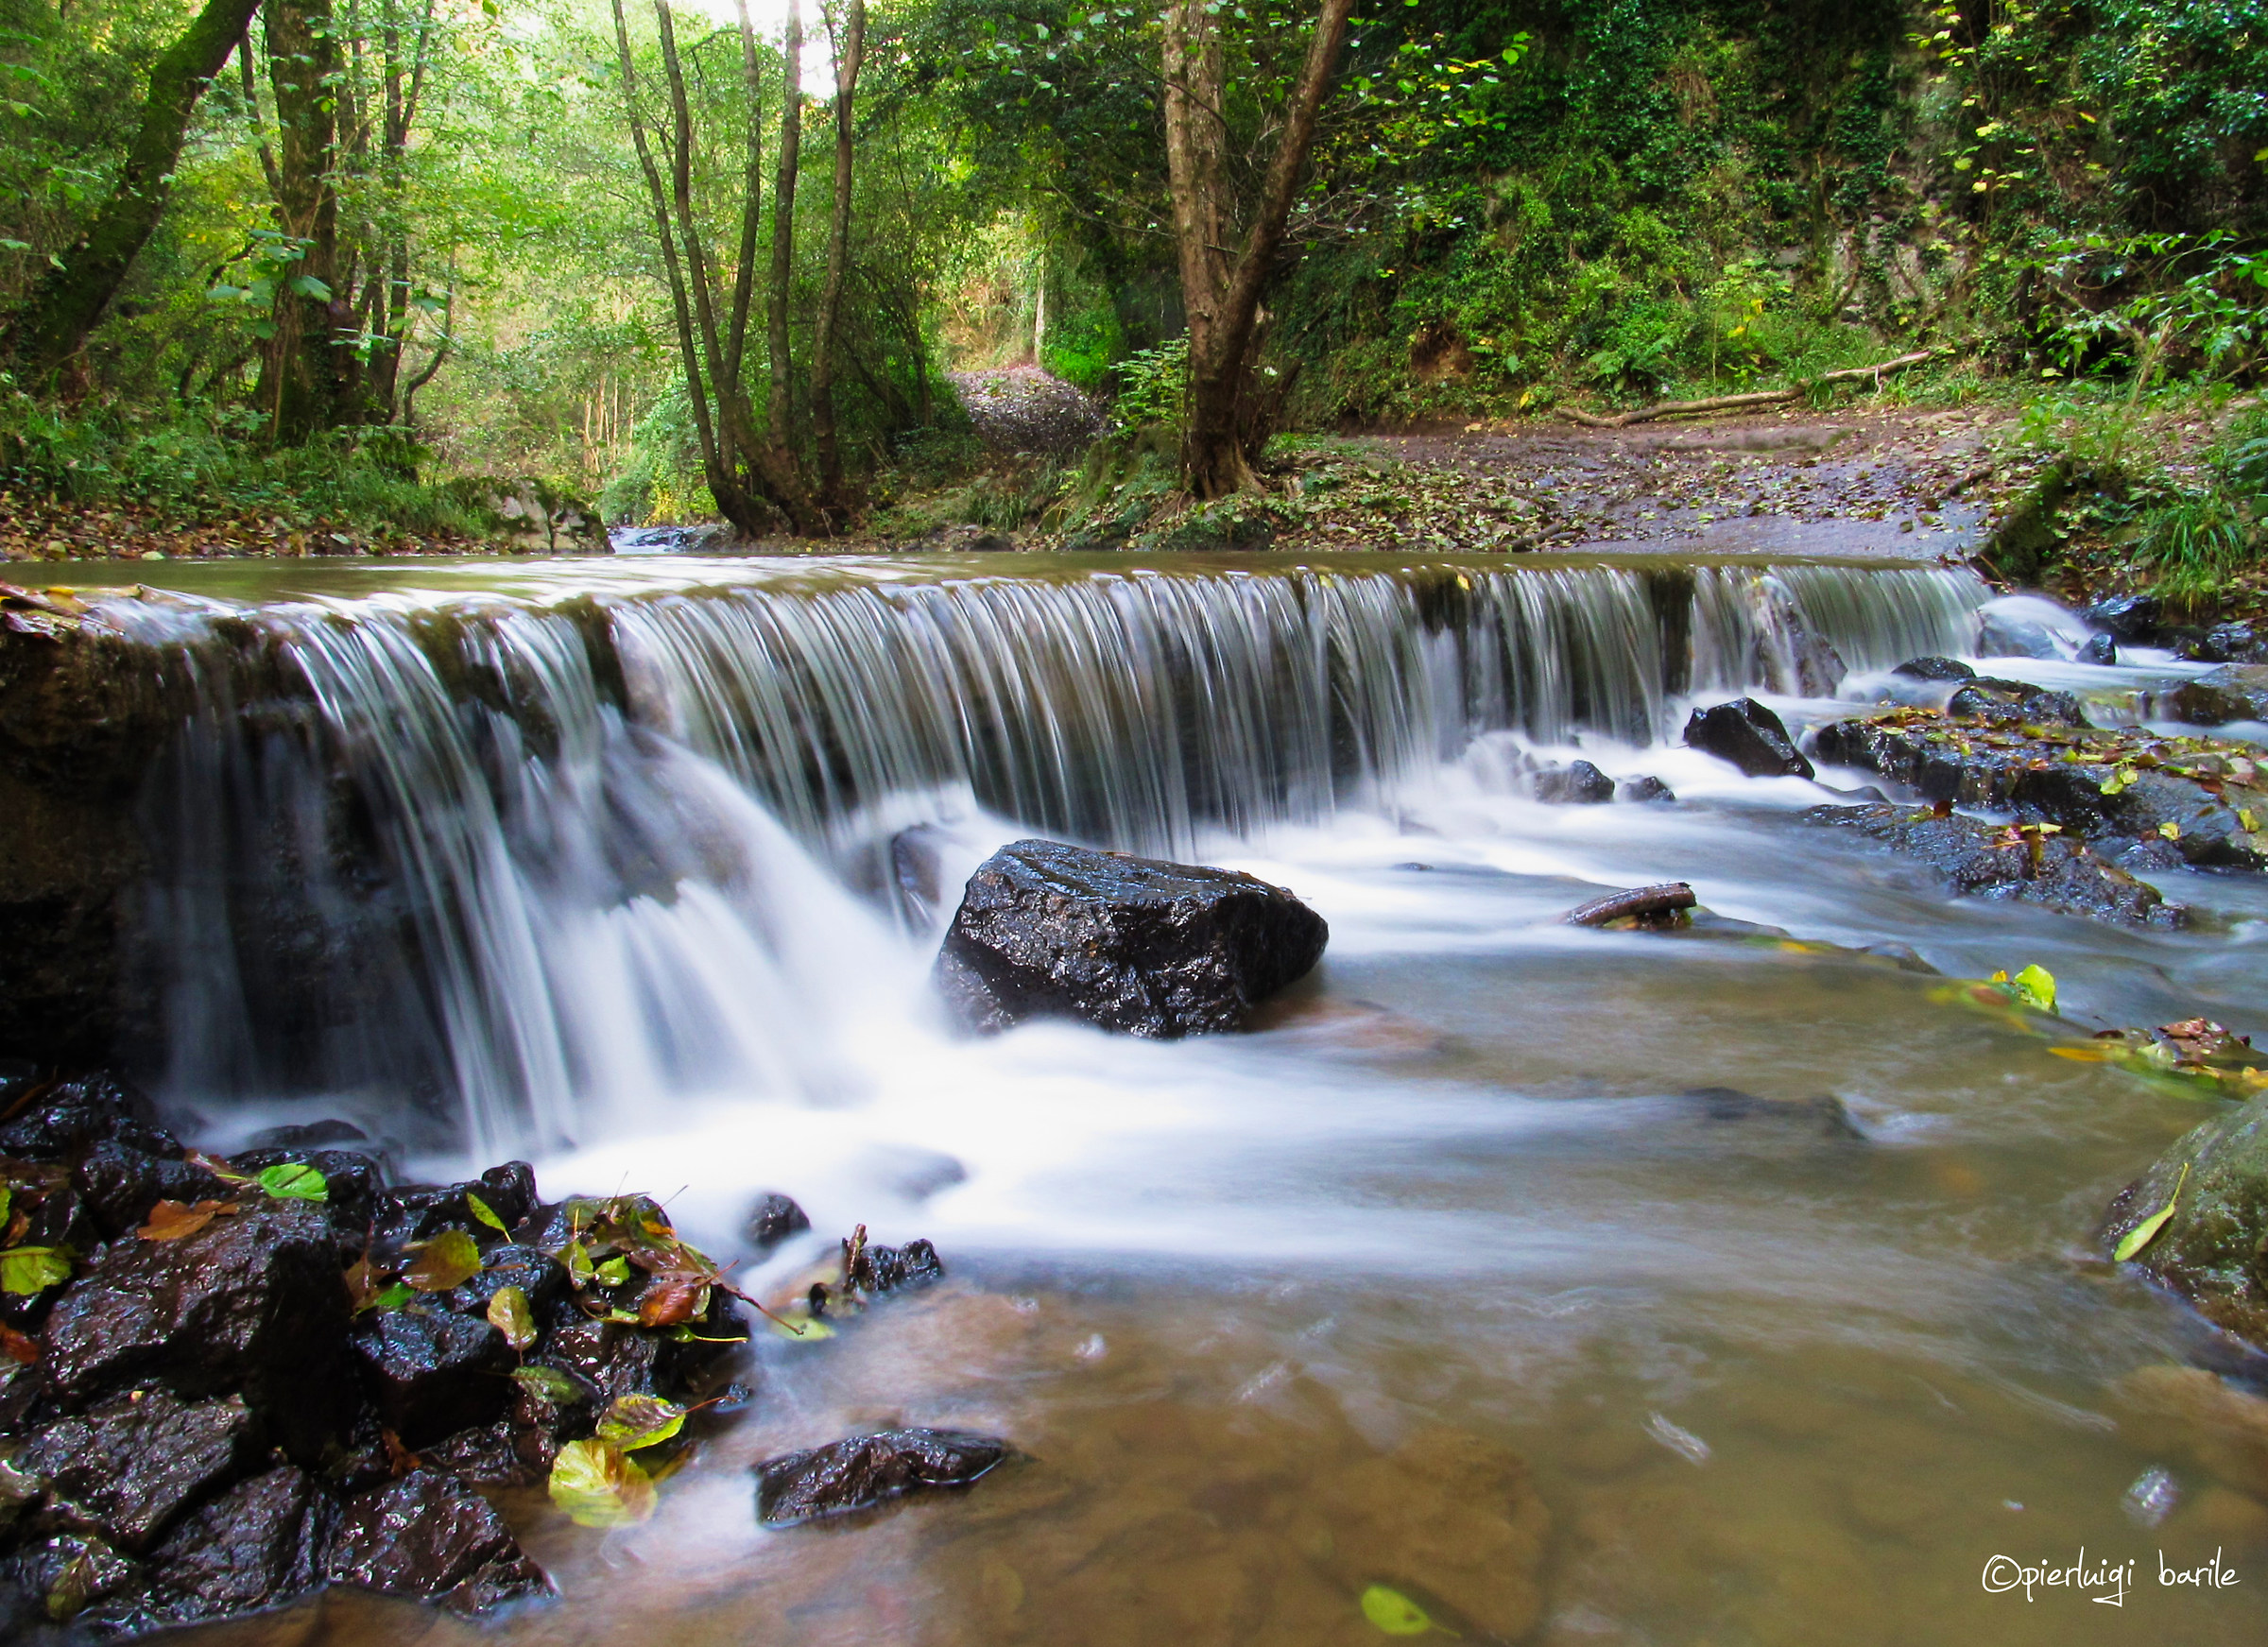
(1740, 403)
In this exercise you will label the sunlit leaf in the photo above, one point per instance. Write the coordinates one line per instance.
(614, 1271)
(394, 1297)
(486, 1213)
(171, 1220)
(2035, 986)
(33, 1269)
(1394, 1613)
(449, 1259)
(577, 1259)
(509, 1314)
(674, 1301)
(2142, 1234)
(550, 1383)
(295, 1181)
(599, 1485)
(634, 1421)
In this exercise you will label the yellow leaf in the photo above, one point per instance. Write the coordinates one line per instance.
(2170, 830)
(2147, 1232)
(449, 1259)
(600, 1486)
(1394, 1613)
(509, 1314)
(2035, 986)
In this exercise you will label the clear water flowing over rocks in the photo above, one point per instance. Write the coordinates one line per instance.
(1754, 1271)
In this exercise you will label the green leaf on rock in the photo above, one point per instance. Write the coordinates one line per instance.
(393, 1298)
(2035, 986)
(509, 1314)
(295, 1181)
(599, 1485)
(1394, 1613)
(33, 1269)
(486, 1213)
(550, 1384)
(615, 1272)
(577, 1259)
(635, 1422)
(449, 1259)
(2142, 1234)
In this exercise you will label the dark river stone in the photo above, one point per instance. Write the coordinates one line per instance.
(1750, 736)
(863, 1471)
(1135, 945)
(128, 1467)
(431, 1373)
(430, 1538)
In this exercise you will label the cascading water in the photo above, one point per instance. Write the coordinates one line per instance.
(549, 867)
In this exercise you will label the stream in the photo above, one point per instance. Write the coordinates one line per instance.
(1587, 1287)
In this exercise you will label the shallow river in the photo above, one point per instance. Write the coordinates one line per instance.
(1457, 1278)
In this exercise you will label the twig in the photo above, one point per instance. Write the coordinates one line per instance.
(1740, 402)
(1645, 902)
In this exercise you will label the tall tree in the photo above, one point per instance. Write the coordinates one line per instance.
(1221, 289)
(783, 221)
(314, 378)
(69, 302)
(849, 57)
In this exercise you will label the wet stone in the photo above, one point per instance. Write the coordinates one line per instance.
(2015, 700)
(2002, 635)
(119, 1184)
(2213, 1251)
(889, 1269)
(430, 1373)
(863, 1471)
(252, 1303)
(1643, 790)
(260, 1544)
(65, 1575)
(1577, 784)
(2234, 692)
(2100, 650)
(1135, 945)
(773, 1220)
(1750, 736)
(70, 1117)
(430, 1538)
(1935, 669)
(535, 1272)
(128, 1467)
(2132, 618)
(351, 1181)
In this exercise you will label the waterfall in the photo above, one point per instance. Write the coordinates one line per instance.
(536, 867)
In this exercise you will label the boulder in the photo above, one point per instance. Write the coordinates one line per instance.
(1750, 736)
(2100, 649)
(352, 1182)
(430, 1374)
(2230, 643)
(2214, 1251)
(430, 1538)
(888, 1269)
(2014, 700)
(65, 1119)
(863, 1471)
(260, 1544)
(126, 1469)
(1935, 669)
(1135, 945)
(535, 1272)
(2005, 635)
(1577, 784)
(119, 1184)
(772, 1220)
(2132, 618)
(252, 1303)
(1981, 860)
(2234, 692)
(69, 1573)
(1643, 790)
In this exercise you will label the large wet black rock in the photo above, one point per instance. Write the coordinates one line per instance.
(430, 1538)
(1577, 784)
(119, 1184)
(258, 1545)
(2234, 692)
(1935, 669)
(252, 1303)
(414, 1212)
(1980, 860)
(2213, 1251)
(64, 1119)
(535, 1272)
(353, 1181)
(431, 1372)
(773, 1219)
(863, 1471)
(1750, 736)
(1146, 948)
(128, 1467)
(2014, 700)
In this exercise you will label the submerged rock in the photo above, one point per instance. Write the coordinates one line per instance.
(1135, 945)
(863, 1471)
(1578, 783)
(1750, 736)
(1981, 860)
(2005, 635)
(430, 1538)
(2213, 1249)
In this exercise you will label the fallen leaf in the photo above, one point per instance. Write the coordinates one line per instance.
(577, 1259)
(171, 1220)
(2142, 1234)
(509, 1314)
(449, 1259)
(487, 1214)
(2035, 986)
(673, 1302)
(634, 1421)
(28, 1270)
(599, 1485)
(550, 1384)
(1394, 1613)
(17, 1346)
(613, 1273)
(294, 1181)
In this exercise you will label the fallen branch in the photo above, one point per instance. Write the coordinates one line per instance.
(1646, 903)
(1740, 402)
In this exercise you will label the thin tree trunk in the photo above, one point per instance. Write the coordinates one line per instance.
(72, 299)
(782, 406)
(851, 52)
(1223, 299)
(317, 379)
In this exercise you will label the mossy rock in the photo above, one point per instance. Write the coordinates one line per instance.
(2213, 1251)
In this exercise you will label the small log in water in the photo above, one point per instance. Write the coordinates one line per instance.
(1647, 903)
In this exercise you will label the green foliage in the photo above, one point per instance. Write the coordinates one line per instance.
(1153, 386)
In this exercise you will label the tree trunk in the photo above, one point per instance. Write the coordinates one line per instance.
(71, 300)
(315, 382)
(781, 407)
(851, 52)
(1220, 431)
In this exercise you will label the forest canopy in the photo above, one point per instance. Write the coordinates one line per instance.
(724, 259)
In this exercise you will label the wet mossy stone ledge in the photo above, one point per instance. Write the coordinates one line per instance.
(2197, 1220)
(225, 1383)
(1135, 945)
